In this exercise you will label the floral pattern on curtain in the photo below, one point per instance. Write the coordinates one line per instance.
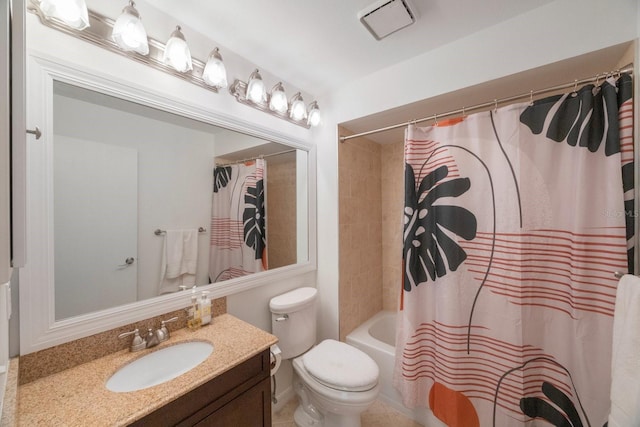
(238, 221)
(514, 222)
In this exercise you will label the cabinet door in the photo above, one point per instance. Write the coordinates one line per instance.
(250, 409)
(239, 397)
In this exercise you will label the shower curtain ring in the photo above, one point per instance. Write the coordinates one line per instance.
(575, 89)
(436, 118)
(463, 112)
(495, 105)
(531, 97)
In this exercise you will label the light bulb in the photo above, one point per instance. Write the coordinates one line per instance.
(298, 109)
(215, 73)
(128, 31)
(71, 12)
(176, 52)
(314, 114)
(278, 99)
(256, 91)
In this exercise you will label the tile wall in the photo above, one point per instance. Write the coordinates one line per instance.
(392, 223)
(371, 179)
(281, 212)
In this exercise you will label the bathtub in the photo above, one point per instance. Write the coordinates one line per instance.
(376, 337)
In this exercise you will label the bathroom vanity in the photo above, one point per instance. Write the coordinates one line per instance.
(238, 397)
(231, 387)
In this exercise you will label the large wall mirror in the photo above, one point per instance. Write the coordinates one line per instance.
(133, 200)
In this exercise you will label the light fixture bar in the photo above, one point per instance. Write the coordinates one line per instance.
(239, 90)
(99, 33)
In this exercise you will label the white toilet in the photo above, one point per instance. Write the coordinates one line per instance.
(334, 381)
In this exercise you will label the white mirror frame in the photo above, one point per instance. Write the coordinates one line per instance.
(38, 327)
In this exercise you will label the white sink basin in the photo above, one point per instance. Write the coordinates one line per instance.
(160, 366)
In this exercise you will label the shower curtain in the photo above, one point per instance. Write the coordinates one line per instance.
(238, 238)
(514, 223)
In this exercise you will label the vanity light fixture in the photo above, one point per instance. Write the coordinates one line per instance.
(278, 99)
(127, 35)
(215, 73)
(275, 103)
(314, 114)
(256, 91)
(100, 32)
(71, 12)
(128, 31)
(297, 111)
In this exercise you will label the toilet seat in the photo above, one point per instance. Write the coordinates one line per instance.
(340, 366)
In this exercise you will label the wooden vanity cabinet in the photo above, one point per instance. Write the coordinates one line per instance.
(239, 397)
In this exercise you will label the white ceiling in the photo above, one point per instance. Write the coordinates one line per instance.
(320, 45)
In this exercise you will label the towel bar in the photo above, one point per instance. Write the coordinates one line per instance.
(159, 232)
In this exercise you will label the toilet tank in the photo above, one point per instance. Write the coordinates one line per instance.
(293, 320)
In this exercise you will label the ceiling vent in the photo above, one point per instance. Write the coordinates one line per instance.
(386, 16)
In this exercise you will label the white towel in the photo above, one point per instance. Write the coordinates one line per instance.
(179, 260)
(625, 360)
(189, 257)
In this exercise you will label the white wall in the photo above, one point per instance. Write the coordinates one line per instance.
(556, 31)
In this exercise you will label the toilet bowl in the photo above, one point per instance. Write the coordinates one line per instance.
(335, 387)
(334, 381)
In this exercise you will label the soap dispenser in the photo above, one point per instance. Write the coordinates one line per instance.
(205, 308)
(194, 321)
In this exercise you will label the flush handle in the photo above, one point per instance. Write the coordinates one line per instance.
(282, 318)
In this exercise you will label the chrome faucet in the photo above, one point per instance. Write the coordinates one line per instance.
(151, 339)
(137, 343)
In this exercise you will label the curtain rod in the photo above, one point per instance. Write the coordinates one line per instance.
(262, 156)
(495, 102)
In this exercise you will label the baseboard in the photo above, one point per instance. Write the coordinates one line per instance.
(283, 398)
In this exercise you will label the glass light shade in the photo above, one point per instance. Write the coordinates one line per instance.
(71, 12)
(256, 91)
(129, 33)
(314, 114)
(278, 99)
(298, 109)
(215, 73)
(177, 53)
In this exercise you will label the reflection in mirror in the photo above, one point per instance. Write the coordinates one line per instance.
(137, 204)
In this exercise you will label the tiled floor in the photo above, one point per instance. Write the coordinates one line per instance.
(379, 415)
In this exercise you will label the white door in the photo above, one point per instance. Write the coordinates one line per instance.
(95, 225)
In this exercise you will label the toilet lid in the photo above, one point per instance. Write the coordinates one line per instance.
(340, 366)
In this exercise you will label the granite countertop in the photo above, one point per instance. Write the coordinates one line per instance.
(7, 418)
(78, 396)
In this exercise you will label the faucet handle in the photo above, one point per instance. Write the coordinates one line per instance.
(137, 343)
(163, 332)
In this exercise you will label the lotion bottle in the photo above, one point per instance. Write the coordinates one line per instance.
(194, 321)
(205, 308)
